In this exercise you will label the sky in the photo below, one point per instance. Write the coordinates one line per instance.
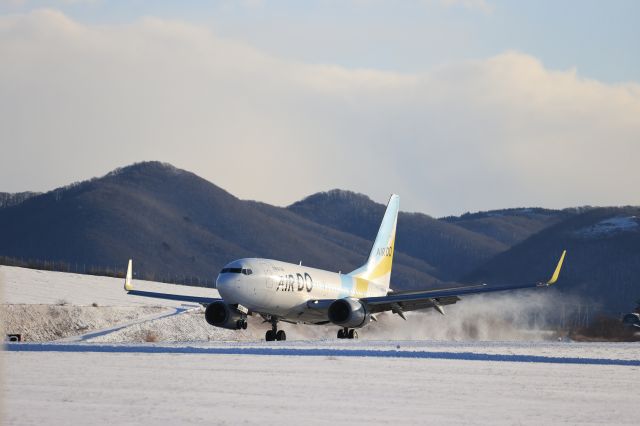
(456, 105)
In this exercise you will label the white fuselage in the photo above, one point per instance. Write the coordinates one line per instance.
(281, 289)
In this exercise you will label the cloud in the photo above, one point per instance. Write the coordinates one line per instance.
(78, 100)
(480, 5)
(22, 3)
(12, 3)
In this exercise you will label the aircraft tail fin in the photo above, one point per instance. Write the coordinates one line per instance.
(378, 266)
(128, 284)
(556, 273)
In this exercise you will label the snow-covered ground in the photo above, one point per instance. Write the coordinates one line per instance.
(45, 305)
(513, 316)
(31, 286)
(418, 371)
(42, 323)
(158, 387)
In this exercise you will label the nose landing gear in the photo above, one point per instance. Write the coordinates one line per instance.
(274, 333)
(346, 333)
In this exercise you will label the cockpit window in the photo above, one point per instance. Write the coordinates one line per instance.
(244, 271)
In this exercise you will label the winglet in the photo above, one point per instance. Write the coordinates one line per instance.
(556, 273)
(128, 285)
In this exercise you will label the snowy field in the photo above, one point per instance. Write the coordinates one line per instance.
(29, 286)
(400, 375)
(496, 317)
(319, 384)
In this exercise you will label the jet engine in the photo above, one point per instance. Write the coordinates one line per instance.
(349, 313)
(220, 314)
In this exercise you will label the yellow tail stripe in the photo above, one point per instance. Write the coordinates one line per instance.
(556, 273)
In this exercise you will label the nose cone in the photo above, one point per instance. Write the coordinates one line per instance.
(224, 284)
(224, 278)
(221, 281)
(227, 277)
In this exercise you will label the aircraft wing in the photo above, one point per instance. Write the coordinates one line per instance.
(409, 301)
(404, 302)
(399, 302)
(128, 286)
(170, 296)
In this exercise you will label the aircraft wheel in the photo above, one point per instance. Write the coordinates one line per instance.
(353, 334)
(340, 334)
(281, 335)
(244, 324)
(270, 336)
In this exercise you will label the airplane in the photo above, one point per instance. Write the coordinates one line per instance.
(279, 291)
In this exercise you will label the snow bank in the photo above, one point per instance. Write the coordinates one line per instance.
(42, 323)
(46, 305)
(187, 327)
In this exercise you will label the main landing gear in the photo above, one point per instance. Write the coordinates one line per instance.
(274, 333)
(345, 333)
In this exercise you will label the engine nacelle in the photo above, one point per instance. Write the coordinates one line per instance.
(350, 313)
(220, 314)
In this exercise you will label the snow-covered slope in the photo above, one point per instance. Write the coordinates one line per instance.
(610, 226)
(45, 287)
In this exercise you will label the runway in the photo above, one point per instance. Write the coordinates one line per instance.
(370, 349)
(322, 382)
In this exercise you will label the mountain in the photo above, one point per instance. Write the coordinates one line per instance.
(510, 226)
(176, 224)
(452, 250)
(602, 263)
